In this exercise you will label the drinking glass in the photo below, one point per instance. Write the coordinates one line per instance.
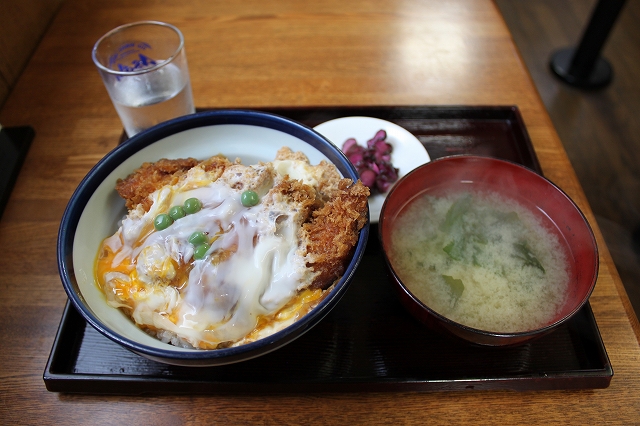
(144, 67)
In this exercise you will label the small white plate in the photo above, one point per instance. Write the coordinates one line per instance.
(408, 153)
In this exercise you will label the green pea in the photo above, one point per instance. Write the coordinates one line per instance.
(192, 205)
(162, 221)
(177, 212)
(201, 251)
(249, 198)
(198, 238)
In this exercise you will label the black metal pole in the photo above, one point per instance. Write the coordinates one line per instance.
(583, 66)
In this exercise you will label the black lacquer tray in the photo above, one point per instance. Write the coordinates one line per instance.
(368, 343)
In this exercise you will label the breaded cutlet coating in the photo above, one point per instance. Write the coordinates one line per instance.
(286, 153)
(332, 233)
(292, 193)
(149, 177)
(136, 187)
(329, 180)
(258, 178)
(215, 165)
(325, 173)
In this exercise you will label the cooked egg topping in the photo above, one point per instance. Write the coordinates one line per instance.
(249, 276)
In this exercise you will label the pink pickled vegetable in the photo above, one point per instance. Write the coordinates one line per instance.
(348, 144)
(368, 178)
(373, 162)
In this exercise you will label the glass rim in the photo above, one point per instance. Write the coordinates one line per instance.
(165, 62)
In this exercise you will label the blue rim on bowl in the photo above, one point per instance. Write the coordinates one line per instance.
(85, 190)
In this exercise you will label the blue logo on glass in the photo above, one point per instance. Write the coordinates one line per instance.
(129, 58)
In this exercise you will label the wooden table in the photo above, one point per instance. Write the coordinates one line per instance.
(265, 54)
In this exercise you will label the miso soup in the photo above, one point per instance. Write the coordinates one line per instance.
(481, 260)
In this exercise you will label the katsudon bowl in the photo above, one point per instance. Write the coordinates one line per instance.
(95, 212)
(487, 250)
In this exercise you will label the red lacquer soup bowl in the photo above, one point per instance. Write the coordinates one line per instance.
(551, 207)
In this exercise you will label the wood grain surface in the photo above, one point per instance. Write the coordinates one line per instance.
(22, 24)
(261, 54)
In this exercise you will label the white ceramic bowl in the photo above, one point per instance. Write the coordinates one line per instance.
(95, 209)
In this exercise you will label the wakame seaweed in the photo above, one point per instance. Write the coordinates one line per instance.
(524, 253)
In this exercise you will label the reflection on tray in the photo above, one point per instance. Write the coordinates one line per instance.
(368, 342)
